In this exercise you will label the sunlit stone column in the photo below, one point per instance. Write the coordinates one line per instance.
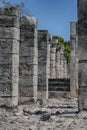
(9, 56)
(73, 61)
(53, 59)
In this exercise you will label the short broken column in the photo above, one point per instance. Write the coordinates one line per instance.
(73, 61)
(9, 56)
(82, 53)
(43, 41)
(28, 59)
(53, 59)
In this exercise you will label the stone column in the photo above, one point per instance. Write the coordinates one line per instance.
(49, 45)
(73, 62)
(43, 40)
(82, 53)
(9, 56)
(28, 59)
(64, 67)
(61, 61)
(58, 62)
(53, 59)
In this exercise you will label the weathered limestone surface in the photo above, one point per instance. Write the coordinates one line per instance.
(43, 55)
(57, 61)
(74, 61)
(65, 67)
(9, 56)
(82, 53)
(49, 45)
(28, 59)
(53, 59)
(61, 61)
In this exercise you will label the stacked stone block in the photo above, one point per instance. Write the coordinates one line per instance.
(57, 62)
(61, 61)
(28, 59)
(53, 59)
(9, 56)
(65, 67)
(49, 45)
(82, 53)
(43, 55)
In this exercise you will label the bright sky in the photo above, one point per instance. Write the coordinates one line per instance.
(52, 15)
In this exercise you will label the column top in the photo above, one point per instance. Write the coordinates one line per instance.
(73, 29)
(9, 11)
(30, 20)
(50, 37)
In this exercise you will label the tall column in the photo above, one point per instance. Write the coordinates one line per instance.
(28, 59)
(49, 46)
(9, 56)
(61, 61)
(58, 61)
(82, 53)
(53, 59)
(73, 62)
(43, 40)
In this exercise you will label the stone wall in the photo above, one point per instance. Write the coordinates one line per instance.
(9, 56)
(28, 59)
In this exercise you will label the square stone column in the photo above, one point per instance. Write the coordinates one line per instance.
(43, 55)
(9, 56)
(28, 59)
(73, 60)
(57, 64)
(64, 67)
(61, 61)
(58, 61)
(53, 59)
(82, 53)
(49, 46)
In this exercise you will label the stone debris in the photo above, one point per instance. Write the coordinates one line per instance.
(55, 114)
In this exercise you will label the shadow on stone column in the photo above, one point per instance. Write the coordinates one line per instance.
(82, 53)
(43, 46)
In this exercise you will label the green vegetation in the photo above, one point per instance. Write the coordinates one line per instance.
(66, 45)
